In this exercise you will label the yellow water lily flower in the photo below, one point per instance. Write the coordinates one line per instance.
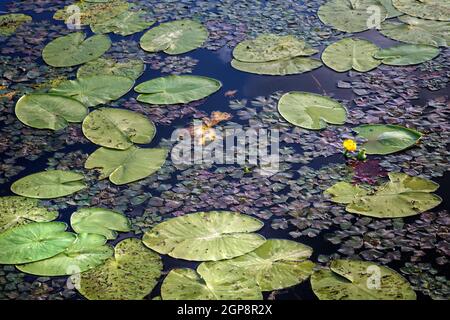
(350, 145)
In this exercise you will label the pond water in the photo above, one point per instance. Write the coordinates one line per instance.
(290, 203)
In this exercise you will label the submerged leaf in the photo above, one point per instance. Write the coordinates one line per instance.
(125, 24)
(132, 69)
(10, 22)
(279, 67)
(406, 54)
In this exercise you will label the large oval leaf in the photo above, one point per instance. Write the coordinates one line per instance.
(176, 89)
(132, 68)
(95, 90)
(10, 22)
(49, 111)
(204, 236)
(406, 54)
(175, 37)
(277, 264)
(125, 24)
(386, 139)
(311, 111)
(208, 283)
(15, 211)
(49, 184)
(118, 128)
(402, 196)
(426, 9)
(33, 242)
(279, 67)
(125, 166)
(358, 280)
(351, 53)
(350, 15)
(87, 252)
(130, 275)
(99, 221)
(75, 49)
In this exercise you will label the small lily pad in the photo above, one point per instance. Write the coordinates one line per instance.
(406, 54)
(132, 69)
(10, 22)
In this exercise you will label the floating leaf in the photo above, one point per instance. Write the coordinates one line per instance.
(175, 37)
(351, 53)
(125, 24)
(406, 54)
(360, 280)
(49, 184)
(88, 251)
(125, 166)
(130, 275)
(10, 22)
(418, 31)
(33, 242)
(49, 111)
(99, 221)
(311, 111)
(176, 89)
(386, 139)
(279, 67)
(277, 264)
(95, 90)
(391, 11)
(208, 283)
(16, 211)
(118, 128)
(132, 69)
(426, 9)
(350, 15)
(402, 196)
(205, 236)
(75, 49)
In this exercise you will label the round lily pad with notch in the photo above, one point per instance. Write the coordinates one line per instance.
(281, 67)
(118, 128)
(49, 184)
(426, 9)
(95, 90)
(360, 280)
(131, 274)
(34, 241)
(10, 22)
(132, 68)
(351, 53)
(49, 111)
(86, 252)
(99, 221)
(407, 54)
(310, 110)
(386, 139)
(125, 166)
(206, 236)
(75, 49)
(175, 37)
(125, 24)
(176, 89)
(16, 211)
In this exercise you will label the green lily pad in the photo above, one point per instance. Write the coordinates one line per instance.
(131, 274)
(49, 184)
(386, 139)
(288, 66)
(402, 196)
(175, 37)
(99, 221)
(206, 236)
(418, 31)
(132, 69)
(349, 15)
(426, 9)
(208, 283)
(358, 280)
(86, 252)
(33, 242)
(277, 264)
(125, 166)
(49, 111)
(118, 128)
(95, 90)
(125, 24)
(271, 47)
(75, 49)
(311, 111)
(16, 211)
(351, 53)
(391, 11)
(176, 89)
(406, 54)
(10, 22)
